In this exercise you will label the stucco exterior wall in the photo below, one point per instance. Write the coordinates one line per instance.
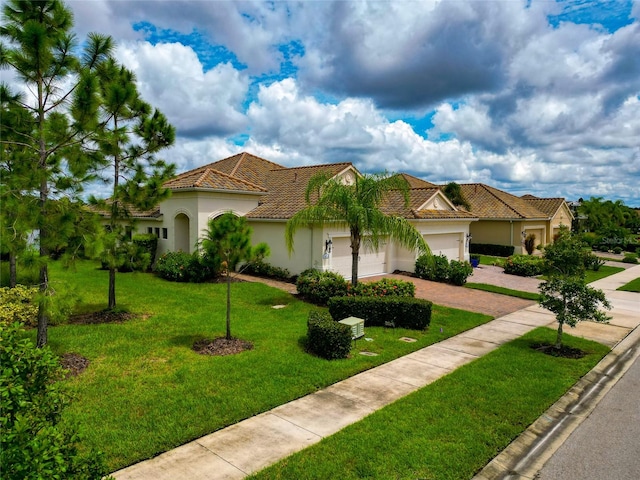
(562, 217)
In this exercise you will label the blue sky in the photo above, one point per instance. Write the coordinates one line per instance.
(536, 97)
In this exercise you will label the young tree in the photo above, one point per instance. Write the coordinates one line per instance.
(130, 133)
(227, 242)
(40, 49)
(565, 293)
(357, 207)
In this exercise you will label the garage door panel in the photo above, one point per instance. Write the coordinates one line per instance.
(444, 244)
(370, 263)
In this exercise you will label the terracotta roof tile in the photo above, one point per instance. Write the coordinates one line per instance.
(415, 182)
(489, 202)
(549, 206)
(286, 190)
(133, 212)
(208, 177)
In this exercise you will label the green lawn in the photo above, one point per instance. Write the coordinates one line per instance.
(603, 271)
(453, 427)
(632, 286)
(147, 391)
(504, 291)
(491, 260)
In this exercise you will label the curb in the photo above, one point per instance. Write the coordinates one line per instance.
(526, 455)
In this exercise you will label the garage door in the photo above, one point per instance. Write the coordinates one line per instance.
(445, 244)
(371, 263)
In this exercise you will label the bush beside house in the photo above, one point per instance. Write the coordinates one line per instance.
(438, 268)
(326, 337)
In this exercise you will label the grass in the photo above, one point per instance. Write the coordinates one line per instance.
(146, 391)
(491, 260)
(453, 427)
(632, 286)
(504, 291)
(603, 271)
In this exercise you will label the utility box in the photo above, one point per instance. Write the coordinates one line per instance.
(357, 326)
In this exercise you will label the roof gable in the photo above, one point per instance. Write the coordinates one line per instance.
(549, 206)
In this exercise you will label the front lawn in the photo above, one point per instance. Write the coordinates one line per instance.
(503, 291)
(453, 427)
(632, 286)
(146, 391)
(603, 271)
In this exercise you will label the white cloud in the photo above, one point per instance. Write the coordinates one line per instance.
(196, 102)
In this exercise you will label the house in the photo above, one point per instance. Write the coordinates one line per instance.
(506, 219)
(268, 194)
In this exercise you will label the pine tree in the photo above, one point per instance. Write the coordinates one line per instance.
(40, 49)
(130, 133)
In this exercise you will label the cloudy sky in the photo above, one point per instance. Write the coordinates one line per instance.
(538, 97)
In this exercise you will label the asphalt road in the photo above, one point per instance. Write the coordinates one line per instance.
(606, 445)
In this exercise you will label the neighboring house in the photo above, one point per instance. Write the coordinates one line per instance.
(506, 219)
(268, 194)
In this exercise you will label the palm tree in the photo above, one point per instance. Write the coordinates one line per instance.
(358, 207)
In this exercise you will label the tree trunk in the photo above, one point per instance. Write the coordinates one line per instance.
(355, 255)
(43, 320)
(228, 303)
(558, 344)
(112, 288)
(13, 275)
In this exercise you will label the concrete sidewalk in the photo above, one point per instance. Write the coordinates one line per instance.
(247, 447)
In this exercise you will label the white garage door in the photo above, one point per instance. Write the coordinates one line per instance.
(371, 263)
(445, 244)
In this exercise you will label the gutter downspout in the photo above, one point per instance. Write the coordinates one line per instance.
(511, 223)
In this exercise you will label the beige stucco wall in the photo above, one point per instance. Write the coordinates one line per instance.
(562, 217)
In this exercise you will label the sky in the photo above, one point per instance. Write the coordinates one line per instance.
(539, 97)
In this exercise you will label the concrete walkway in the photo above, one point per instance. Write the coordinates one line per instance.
(247, 447)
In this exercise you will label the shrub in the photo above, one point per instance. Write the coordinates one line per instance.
(326, 337)
(17, 305)
(475, 256)
(491, 249)
(459, 271)
(185, 267)
(318, 287)
(33, 444)
(523, 265)
(591, 261)
(147, 243)
(387, 287)
(434, 268)
(404, 312)
(263, 269)
(630, 258)
(530, 243)
(617, 250)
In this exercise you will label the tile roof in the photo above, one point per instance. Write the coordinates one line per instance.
(241, 172)
(415, 182)
(548, 206)
(489, 202)
(286, 190)
(133, 212)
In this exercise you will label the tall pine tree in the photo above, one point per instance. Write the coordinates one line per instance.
(40, 49)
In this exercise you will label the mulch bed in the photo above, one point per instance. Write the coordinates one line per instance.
(564, 351)
(74, 363)
(221, 346)
(103, 316)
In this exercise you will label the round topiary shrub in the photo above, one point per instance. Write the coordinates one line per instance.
(318, 287)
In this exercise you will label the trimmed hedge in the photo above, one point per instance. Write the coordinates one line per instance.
(524, 265)
(318, 287)
(184, 267)
(260, 268)
(386, 287)
(491, 249)
(326, 337)
(404, 312)
(438, 268)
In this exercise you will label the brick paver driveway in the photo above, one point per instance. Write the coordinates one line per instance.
(464, 298)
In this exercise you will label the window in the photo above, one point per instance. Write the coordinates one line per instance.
(164, 233)
(149, 230)
(158, 232)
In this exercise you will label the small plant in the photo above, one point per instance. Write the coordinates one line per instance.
(530, 243)
(263, 269)
(475, 256)
(434, 268)
(617, 250)
(630, 258)
(326, 337)
(17, 305)
(591, 261)
(459, 272)
(34, 443)
(318, 287)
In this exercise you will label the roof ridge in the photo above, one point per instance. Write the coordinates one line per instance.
(512, 208)
(313, 166)
(237, 179)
